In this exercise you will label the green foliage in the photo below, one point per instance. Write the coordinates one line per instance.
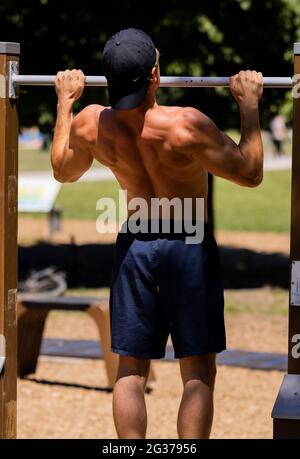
(195, 37)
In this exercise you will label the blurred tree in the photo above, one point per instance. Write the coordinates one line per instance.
(219, 37)
(195, 37)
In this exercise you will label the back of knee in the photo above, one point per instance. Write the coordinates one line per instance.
(203, 369)
(212, 373)
(131, 366)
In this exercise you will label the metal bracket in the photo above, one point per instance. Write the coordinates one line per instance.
(13, 69)
(2, 352)
(287, 405)
(295, 283)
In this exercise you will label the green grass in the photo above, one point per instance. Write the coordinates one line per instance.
(94, 292)
(34, 160)
(265, 208)
(38, 160)
(261, 301)
(78, 200)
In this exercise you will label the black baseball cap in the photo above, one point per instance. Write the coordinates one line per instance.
(128, 58)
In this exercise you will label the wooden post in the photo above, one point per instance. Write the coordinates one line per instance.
(8, 244)
(294, 306)
(286, 411)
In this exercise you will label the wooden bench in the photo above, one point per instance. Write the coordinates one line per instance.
(32, 315)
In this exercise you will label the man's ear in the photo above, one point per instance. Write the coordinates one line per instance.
(153, 74)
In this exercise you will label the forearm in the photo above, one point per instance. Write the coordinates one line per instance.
(61, 138)
(250, 145)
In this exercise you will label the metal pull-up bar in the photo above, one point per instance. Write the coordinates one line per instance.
(16, 80)
(165, 81)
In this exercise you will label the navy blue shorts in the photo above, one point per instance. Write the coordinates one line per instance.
(161, 285)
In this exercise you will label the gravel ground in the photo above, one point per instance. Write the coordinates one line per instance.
(243, 403)
(55, 406)
(243, 398)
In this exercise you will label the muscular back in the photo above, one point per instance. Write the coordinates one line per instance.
(141, 150)
(157, 151)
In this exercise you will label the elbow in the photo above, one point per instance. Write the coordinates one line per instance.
(253, 180)
(257, 180)
(60, 177)
(65, 178)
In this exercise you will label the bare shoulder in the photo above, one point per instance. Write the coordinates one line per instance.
(190, 117)
(189, 126)
(85, 124)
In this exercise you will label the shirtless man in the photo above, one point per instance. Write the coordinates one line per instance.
(160, 284)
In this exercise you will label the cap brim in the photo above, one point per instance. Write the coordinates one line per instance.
(123, 101)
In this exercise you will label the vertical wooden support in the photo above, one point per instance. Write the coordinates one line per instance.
(8, 244)
(294, 299)
(286, 411)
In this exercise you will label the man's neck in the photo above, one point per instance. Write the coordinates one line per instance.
(138, 112)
